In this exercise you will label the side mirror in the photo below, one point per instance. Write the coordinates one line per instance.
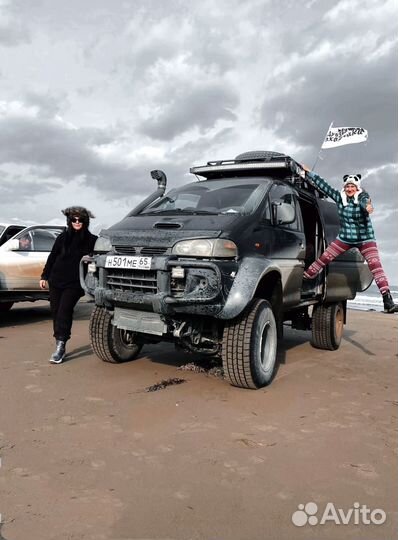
(12, 245)
(284, 213)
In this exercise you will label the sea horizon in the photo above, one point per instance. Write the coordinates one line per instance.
(371, 300)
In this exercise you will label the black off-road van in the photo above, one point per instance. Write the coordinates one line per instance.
(216, 266)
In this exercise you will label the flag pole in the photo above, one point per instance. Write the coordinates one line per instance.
(320, 150)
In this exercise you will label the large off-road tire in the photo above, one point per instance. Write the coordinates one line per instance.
(249, 346)
(109, 343)
(5, 306)
(327, 326)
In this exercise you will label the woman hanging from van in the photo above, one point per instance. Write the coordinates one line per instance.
(61, 274)
(356, 231)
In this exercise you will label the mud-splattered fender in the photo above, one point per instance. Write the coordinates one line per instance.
(249, 275)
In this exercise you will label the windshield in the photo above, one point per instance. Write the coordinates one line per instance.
(232, 196)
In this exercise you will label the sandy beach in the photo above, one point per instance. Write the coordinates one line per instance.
(88, 454)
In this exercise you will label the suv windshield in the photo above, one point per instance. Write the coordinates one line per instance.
(226, 196)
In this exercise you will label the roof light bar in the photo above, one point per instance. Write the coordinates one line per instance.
(238, 167)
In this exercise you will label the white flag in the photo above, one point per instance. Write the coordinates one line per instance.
(338, 136)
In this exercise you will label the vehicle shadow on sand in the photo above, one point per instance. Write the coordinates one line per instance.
(347, 336)
(167, 354)
(33, 312)
(25, 313)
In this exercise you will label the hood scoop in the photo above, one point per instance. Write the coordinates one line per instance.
(167, 225)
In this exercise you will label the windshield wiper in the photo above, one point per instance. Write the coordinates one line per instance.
(180, 211)
(198, 212)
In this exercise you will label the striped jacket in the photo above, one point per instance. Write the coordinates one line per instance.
(355, 224)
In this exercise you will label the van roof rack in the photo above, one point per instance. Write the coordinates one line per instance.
(250, 161)
(255, 162)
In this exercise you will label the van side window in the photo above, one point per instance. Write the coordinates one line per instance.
(281, 194)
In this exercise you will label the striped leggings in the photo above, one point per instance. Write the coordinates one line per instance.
(368, 250)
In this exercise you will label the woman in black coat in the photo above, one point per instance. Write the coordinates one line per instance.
(61, 274)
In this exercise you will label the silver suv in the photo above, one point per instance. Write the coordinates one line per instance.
(22, 259)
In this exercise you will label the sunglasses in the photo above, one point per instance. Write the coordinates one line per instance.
(76, 220)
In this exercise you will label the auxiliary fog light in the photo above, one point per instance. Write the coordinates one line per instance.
(91, 267)
(178, 272)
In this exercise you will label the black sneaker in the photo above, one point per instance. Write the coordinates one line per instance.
(58, 355)
(389, 306)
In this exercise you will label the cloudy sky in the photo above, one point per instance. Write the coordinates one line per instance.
(96, 93)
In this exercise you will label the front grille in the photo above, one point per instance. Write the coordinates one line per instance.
(127, 250)
(153, 251)
(133, 250)
(143, 281)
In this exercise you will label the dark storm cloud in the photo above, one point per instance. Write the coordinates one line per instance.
(27, 189)
(330, 71)
(189, 108)
(62, 152)
(348, 94)
(52, 153)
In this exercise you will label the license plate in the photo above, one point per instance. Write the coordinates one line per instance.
(137, 263)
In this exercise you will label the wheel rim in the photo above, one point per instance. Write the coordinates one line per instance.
(127, 338)
(267, 347)
(339, 323)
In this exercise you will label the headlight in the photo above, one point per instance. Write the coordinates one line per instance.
(102, 244)
(206, 247)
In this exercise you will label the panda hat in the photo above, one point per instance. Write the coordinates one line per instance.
(354, 179)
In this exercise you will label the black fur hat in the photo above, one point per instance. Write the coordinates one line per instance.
(80, 212)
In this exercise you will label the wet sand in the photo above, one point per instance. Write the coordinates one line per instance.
(88, 454)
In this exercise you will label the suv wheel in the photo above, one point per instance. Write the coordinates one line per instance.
(109, 343)
(249, 346)
(327, 326)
